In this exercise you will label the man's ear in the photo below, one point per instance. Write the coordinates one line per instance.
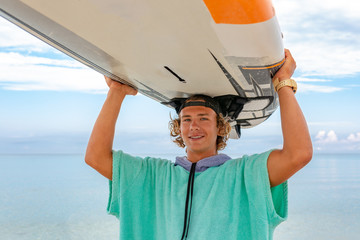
(220, 131)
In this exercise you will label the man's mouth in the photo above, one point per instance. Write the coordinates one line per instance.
(195, 137)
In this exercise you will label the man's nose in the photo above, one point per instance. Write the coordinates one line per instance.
(194, 125)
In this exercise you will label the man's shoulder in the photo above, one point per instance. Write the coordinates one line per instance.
(139, 159)
(254, 156)
(249, 158)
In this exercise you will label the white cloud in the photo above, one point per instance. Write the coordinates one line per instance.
(17, 59)
(19, 40)
(329, 141)
(295, 10)
(323, 35)
(304, 79)
(302, 87)
(320, 135)
(354, 137)
(18, 72)
(329, 137)
(27, 72)
(326, 59)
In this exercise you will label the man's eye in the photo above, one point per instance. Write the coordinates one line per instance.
(204, 118)
(186, 120)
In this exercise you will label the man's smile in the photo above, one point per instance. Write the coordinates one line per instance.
(196, 137)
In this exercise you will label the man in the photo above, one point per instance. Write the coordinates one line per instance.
(224, 198)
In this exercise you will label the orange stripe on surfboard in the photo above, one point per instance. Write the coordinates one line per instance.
(266, 67)
(240, 11)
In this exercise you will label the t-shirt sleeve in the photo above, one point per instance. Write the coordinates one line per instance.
(125, 170)
(257, 181)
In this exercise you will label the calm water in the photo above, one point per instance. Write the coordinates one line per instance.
(58, 197)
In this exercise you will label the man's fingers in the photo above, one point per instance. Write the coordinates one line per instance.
(132, 91)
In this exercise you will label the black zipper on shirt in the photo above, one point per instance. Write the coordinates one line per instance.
(189, 195)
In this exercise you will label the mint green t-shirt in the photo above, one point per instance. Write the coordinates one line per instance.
(231, 201)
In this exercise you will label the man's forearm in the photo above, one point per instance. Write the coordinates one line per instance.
(297, 141)
(99, 150)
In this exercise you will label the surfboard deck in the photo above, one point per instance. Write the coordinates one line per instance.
(169, 50)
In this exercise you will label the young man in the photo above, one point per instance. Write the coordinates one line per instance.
(205, 195)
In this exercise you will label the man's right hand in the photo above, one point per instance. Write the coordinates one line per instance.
(127, 90)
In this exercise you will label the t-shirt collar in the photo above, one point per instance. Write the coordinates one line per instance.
(204, 163)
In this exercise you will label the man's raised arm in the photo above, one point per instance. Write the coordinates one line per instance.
(99, 150)
(297, 146)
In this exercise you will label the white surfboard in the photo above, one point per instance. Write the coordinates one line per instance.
(169, 49)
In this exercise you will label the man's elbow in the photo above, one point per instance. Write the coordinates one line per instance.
(100, 162)
(304, 156)
(89, 160)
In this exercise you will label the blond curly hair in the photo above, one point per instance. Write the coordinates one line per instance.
(221, 122)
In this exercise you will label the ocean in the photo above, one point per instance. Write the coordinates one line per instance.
(59, 197)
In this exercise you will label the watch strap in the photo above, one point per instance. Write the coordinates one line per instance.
(285, 83)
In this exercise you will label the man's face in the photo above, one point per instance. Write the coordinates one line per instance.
(198, 129)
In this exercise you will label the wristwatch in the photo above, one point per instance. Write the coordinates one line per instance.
(285, 83)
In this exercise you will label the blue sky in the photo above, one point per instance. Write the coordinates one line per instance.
(49, 102)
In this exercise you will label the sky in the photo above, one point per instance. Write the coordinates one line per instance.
(49, 102)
